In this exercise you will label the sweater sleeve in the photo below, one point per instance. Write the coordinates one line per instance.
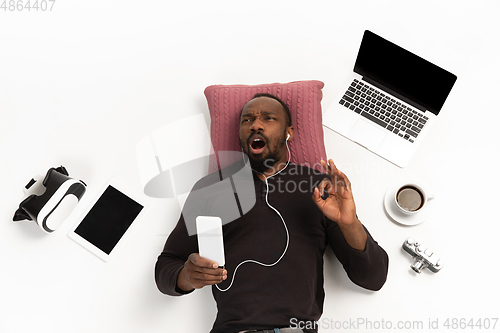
(178, 247)
(368, 268)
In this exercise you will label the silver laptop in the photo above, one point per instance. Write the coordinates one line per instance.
(391, 100)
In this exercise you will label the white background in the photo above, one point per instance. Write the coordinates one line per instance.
(81, 84)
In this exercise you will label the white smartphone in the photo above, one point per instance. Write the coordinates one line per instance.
(210, 240)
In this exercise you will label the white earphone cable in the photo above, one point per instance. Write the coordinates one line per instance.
(282, 219)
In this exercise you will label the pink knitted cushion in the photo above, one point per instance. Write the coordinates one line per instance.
(302, 97)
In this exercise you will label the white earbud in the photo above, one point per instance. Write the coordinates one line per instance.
(287, 137)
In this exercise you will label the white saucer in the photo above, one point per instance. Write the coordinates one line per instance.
(399, 217)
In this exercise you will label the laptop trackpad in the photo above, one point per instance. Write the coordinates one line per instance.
(367, 135)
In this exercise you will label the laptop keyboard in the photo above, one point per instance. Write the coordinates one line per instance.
(383, 110)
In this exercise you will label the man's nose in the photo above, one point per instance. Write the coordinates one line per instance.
(257, 126)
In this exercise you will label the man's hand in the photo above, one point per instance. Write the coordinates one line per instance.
(199, 272)
(339, 205)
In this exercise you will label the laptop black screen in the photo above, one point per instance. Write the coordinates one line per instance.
(402, 73)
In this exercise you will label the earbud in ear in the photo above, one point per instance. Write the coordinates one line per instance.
(287, 137)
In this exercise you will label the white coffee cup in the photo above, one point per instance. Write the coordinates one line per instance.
(411, 198)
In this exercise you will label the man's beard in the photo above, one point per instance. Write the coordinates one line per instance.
(267, 160)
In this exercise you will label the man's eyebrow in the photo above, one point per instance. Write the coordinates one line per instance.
(264, 113)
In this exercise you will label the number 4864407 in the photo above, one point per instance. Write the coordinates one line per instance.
(27, 5)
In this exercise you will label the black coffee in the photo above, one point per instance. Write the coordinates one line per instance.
(410, 198)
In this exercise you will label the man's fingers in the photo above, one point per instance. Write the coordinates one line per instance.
(344, 180)
(338, 177)
(341, 180)
(325, 184)
(325, 166)
(201, 271)
(329, 166)
(204, 266)
(317, 196)
(199, 261)
(209, 271)
(332, 165)
(337, 184)
(200, 280)
(331, 169)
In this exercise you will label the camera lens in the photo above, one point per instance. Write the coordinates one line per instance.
(418, 266)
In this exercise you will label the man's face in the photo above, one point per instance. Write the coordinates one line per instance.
(263, 131)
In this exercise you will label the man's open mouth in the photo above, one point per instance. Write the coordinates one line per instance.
(257, 145)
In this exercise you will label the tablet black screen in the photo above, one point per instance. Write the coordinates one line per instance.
(108, 220)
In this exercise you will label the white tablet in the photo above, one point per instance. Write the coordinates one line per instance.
(108, 219)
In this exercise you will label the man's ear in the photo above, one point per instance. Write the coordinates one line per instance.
(290, 133)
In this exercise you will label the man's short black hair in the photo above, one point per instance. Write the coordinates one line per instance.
(287, 110)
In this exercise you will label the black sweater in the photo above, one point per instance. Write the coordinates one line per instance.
(268, 297)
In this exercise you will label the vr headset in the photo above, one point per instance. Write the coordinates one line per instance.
(46, 199)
